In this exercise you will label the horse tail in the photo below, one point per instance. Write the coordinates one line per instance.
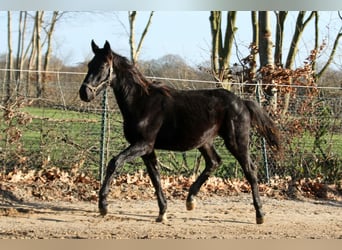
(264, 124)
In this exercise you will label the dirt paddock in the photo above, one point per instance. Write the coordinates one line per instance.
(217, 217)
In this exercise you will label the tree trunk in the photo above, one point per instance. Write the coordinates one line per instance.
(54, 18)
(254, 45)
(31, 63)
(135, 51)
(278, 55)
(265, 40)
(9, 77)
(266, 55)
(300, 25)
(215, 24)
(20, 50)
(229, 39)
(316, 37)
(221, 50)
(38, 26)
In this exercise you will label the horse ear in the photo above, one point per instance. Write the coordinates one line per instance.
(107, 47)
(94, 47)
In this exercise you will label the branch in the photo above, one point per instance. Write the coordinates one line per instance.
(300, 25)
(309, 18)
(333, 51)
(143, 35)
(135, 51)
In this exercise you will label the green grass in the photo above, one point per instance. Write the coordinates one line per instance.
(68, 138)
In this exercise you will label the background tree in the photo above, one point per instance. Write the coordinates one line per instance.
(21, 45)
(253, 46)
(333, 50)
(38, 28)
(222, 49)
(301, 23)
(56, 15)
(9, 58)
(279, 37)
(265, 40)
(30, 55)
(135, 50)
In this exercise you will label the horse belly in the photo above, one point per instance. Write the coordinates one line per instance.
(191, 121)
(185, 139)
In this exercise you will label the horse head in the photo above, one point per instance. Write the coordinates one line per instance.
(100, 72)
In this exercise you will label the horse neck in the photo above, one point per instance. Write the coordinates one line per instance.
(128, 87)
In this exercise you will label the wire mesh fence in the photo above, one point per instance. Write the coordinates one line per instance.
(57, 129)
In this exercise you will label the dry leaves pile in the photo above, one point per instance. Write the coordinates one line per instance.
(56, 184)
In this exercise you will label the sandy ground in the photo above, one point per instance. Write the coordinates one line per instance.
(216, 217)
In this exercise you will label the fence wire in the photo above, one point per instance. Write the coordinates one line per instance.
(60, 130)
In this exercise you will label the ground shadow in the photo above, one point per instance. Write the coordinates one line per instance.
(8, 200)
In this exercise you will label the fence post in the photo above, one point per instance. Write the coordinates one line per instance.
(103, 135)
(263, 141)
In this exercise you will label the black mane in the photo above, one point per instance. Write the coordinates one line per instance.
(124, 69)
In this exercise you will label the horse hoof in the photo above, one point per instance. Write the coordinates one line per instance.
(190, 205)
(260, 220)
(103, 209)
(161, 218)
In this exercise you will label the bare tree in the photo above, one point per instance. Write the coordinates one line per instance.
(222, 49)
(278, 53)
(265, 40)
(38, 27)
(333, 50)
(135, 50)
(21, 45)
(9, 58)
(300, 25)
(49, 34)
(253, 47)
(266, 54)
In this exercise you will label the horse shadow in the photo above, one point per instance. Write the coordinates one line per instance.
(8, 200)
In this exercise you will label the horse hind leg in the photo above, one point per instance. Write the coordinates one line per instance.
(236, 139)
(150, 161)
(238, 146)
(251, 176)
(212, 162)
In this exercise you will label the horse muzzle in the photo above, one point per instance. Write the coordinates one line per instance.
(87, 93)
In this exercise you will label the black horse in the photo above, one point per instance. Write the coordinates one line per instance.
(159, 117)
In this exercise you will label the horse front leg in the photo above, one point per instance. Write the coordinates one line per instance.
(111, 167)
(128, 154)
(150, 161)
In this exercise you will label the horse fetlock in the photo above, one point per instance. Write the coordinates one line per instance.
(162, 218)
(260, 215)
(103, 207)
(260, 220)
(190, 204)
